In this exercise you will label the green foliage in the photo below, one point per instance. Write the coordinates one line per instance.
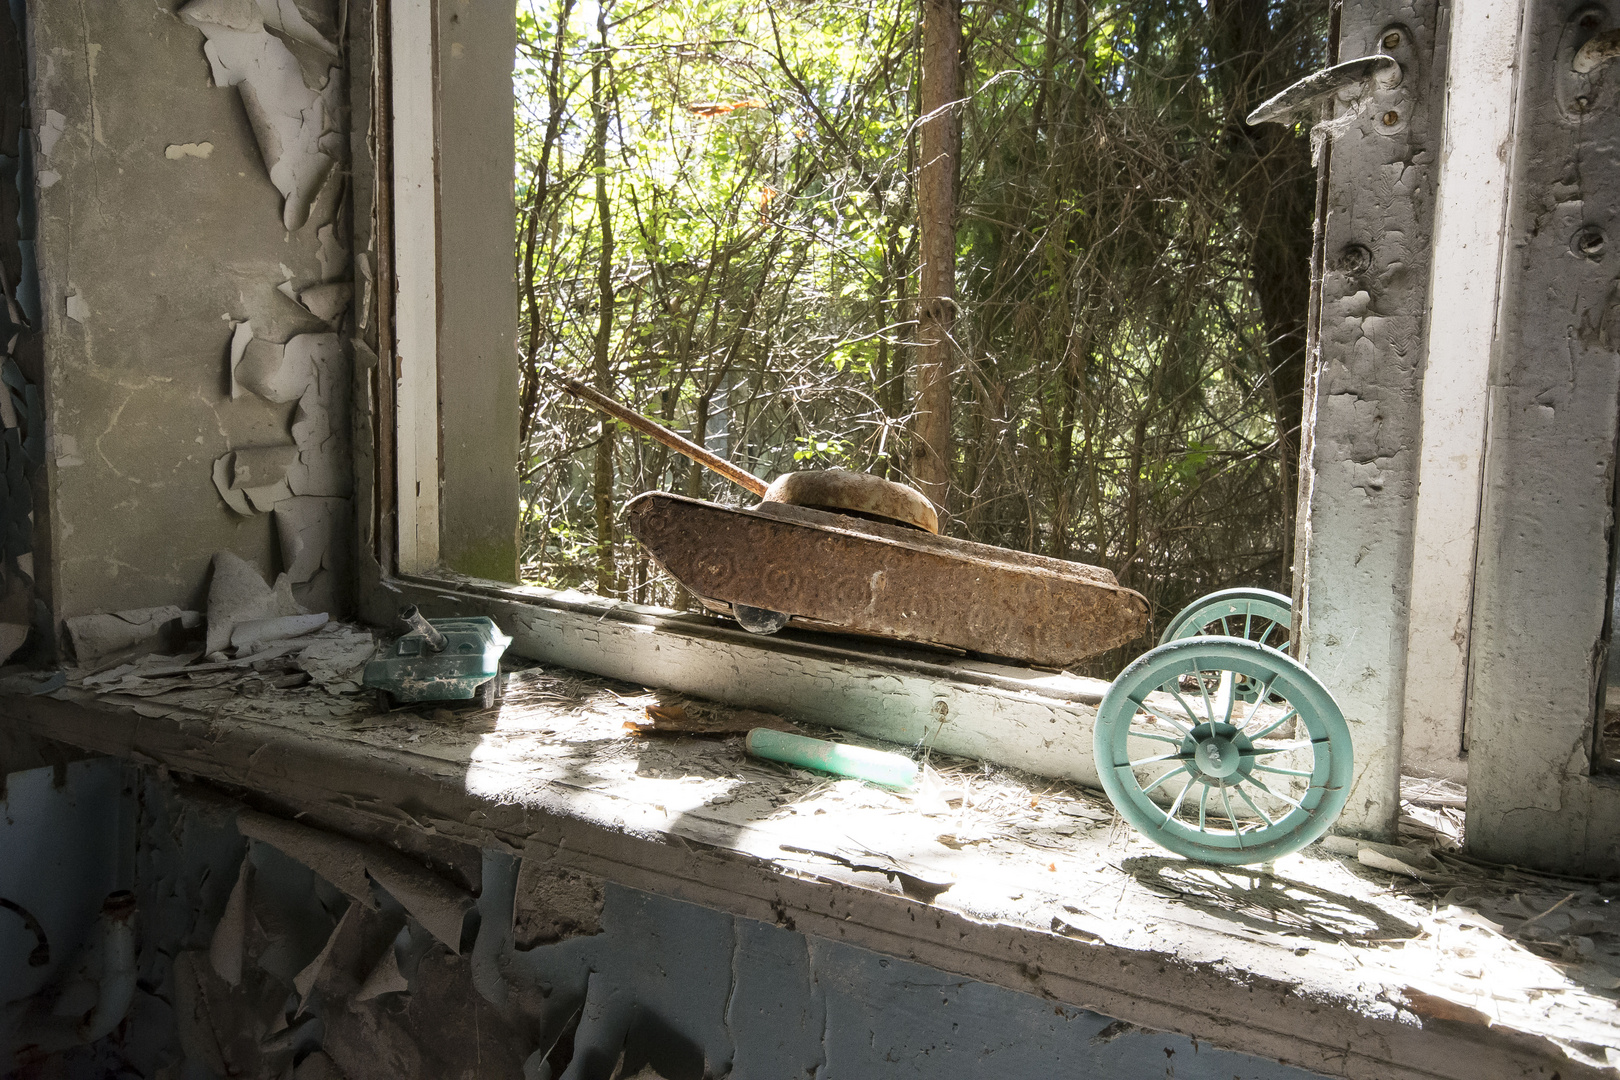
(1129, 257)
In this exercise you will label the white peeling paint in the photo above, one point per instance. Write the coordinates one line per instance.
(295, 125)
(66, 451)
(241, 334)
(176, 151)
(76, 308)
(417, 284)
(1470, 217)
(235, 499)
(305, 370)
(50, 131)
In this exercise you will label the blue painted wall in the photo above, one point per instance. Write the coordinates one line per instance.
(693, 993)
(682, 985)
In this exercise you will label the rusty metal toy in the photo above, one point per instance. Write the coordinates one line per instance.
(1216, 744)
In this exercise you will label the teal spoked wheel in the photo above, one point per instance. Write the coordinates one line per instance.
(1256, 614)
(1215, 777)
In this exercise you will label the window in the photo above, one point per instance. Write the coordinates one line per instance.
(445, 151)
(445, 258)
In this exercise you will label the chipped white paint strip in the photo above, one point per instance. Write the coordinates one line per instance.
(1474, 177)
(416, 272)
(1036, 721)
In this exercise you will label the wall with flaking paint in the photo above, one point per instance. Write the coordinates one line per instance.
(476, 964)
(23, 603)
(1363, 394)
(195, 279)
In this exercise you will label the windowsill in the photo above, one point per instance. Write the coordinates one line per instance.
(1031, 719)
(864, 652)
(1316, 963)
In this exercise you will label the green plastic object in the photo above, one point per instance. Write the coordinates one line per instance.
(1256, 614)
(1223, 750)
(411, 669)
(840, 759)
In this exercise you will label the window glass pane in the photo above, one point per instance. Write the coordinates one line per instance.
(717, 224)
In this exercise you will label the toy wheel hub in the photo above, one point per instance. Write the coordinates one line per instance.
(1217, 757)
(1216, 750)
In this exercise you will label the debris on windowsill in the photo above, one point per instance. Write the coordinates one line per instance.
(1437, 936)
(701, 718)
(1432, 812)
(919, 882)
(255, 653)
(315, 674)
(1489, 924)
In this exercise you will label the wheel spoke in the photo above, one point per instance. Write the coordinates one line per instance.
(1226, 800)
(1172, 721)
(1162, 757)
(1282, 772)
(1279, 748)
(1188, 709)
(1203, 689)
(1175, 806)
(1289, 715)
(1276, 794)
(1229, 688)
(1244, 795)
(1265, 692)
(1203, 804)
(1163, 777)
(1137, 733)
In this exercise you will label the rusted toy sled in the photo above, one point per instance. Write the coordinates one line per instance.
(1216, 744)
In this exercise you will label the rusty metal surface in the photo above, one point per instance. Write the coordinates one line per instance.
(842, 490)
(832, 571)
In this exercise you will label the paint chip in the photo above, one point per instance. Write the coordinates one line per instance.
(327, 302)
(50, 131)
(241, 334)
(229, 943)
(385, 977)
(261, 465)
(67, 451)
(234, 498)
(271, 55)
(77, 309)
(176, 151)
(48, 179)
(333, 253)
(265, 498)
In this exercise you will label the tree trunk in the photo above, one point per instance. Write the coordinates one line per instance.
(539, 206)
(1276, 194)
(607, 583)
(940, 138)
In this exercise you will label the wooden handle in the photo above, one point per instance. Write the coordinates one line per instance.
(597, 400)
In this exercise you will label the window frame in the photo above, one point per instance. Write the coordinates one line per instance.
(1031, 719)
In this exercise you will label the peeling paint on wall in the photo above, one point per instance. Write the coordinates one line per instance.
(22, 412)
(286, 72)
(284, 60)
(177, 151)
(272, 948)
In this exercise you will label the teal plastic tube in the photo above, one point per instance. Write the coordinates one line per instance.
(859, 762)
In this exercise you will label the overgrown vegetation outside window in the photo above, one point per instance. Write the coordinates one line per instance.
(716, 224)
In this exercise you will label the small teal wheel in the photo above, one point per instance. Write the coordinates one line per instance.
(1214, 777)
(1256, 614)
